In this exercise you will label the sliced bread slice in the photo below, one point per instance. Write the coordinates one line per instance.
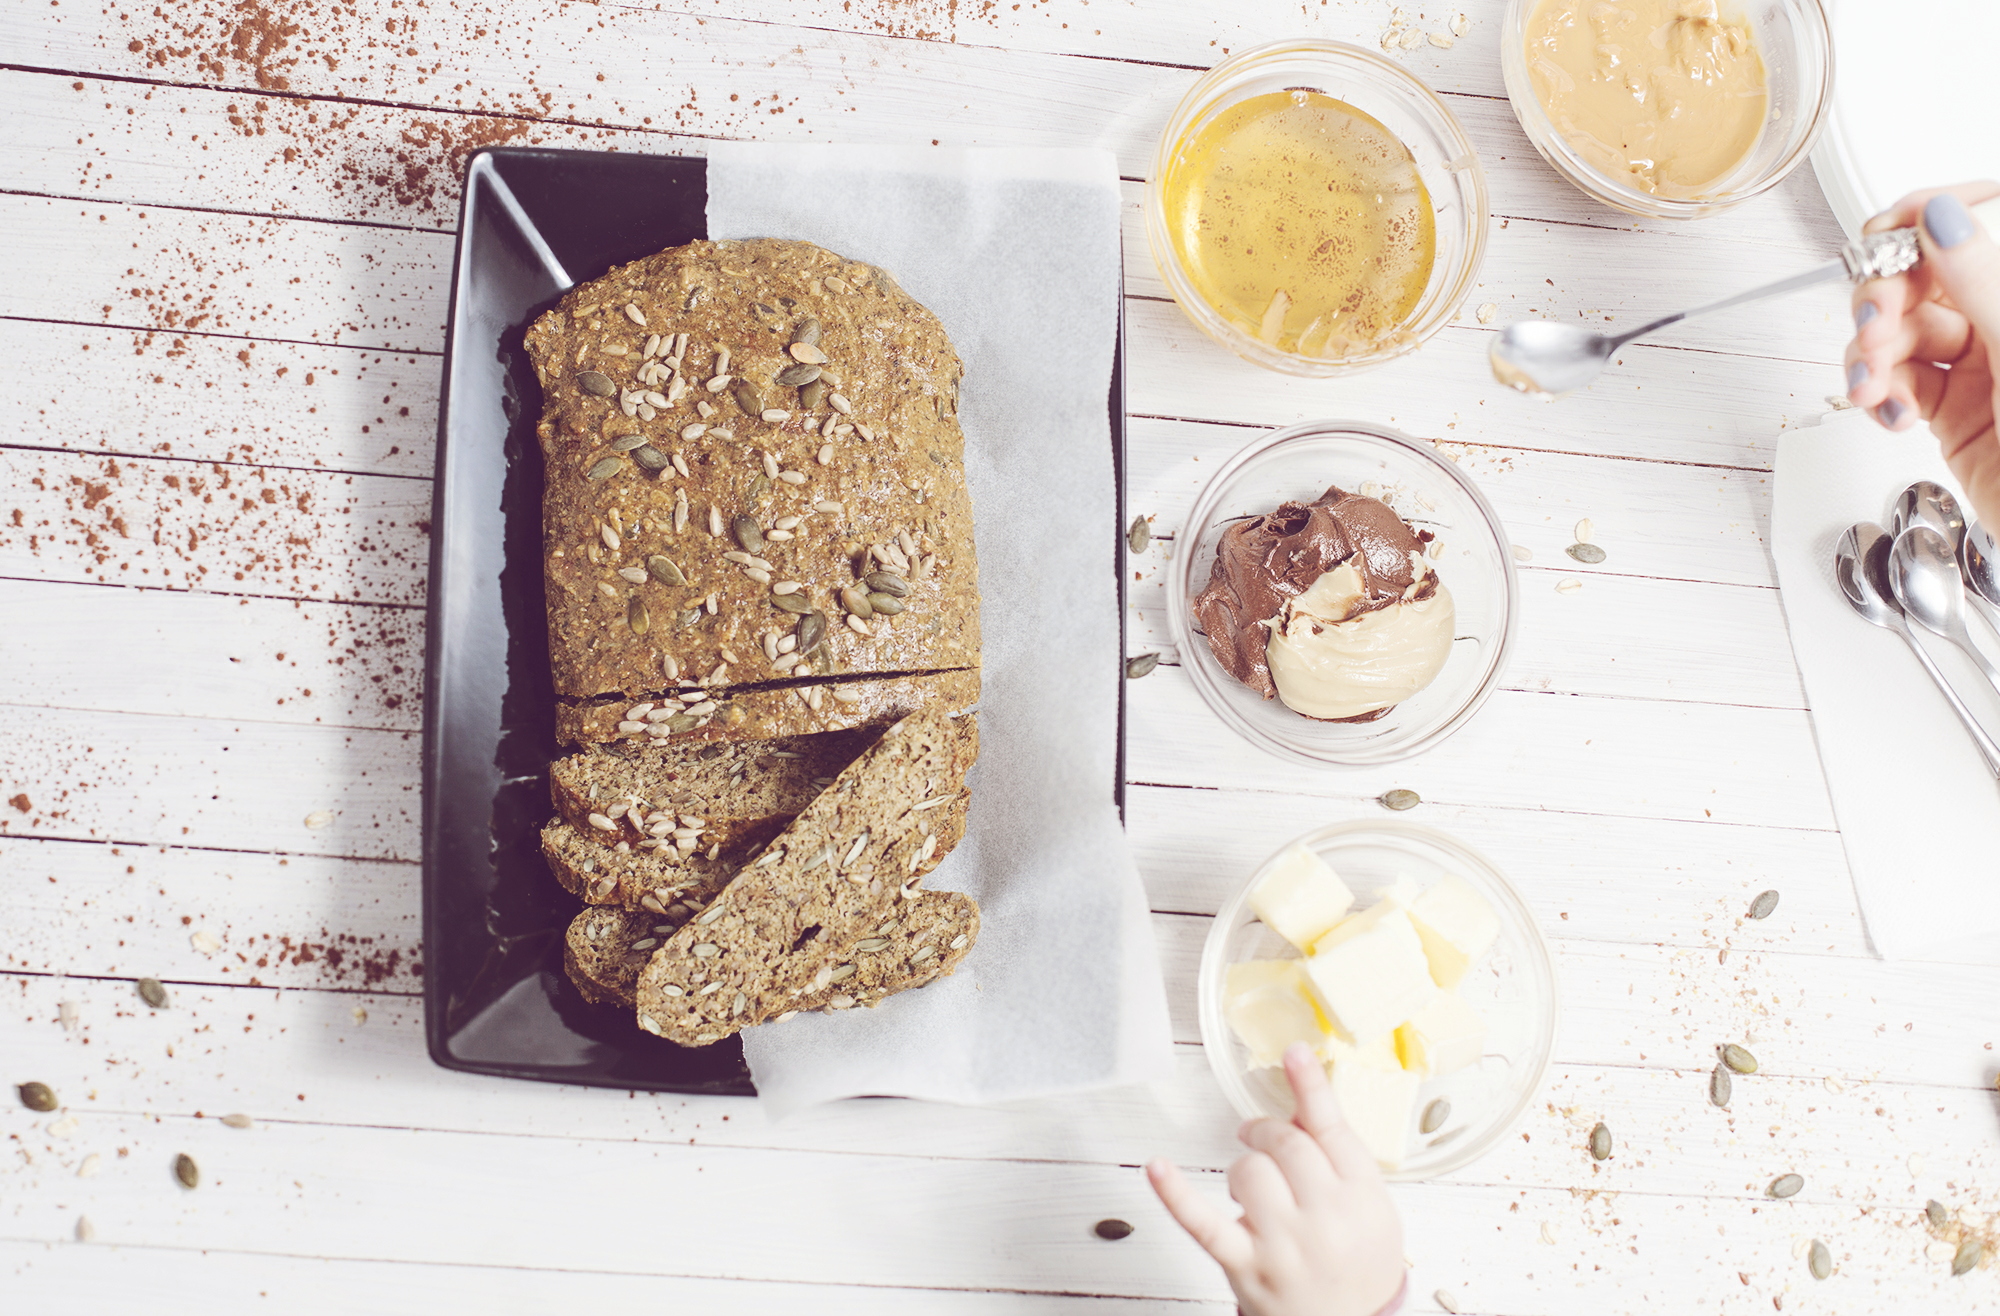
(696, 713)
(605, 948)
(652, 881)
(838, 871)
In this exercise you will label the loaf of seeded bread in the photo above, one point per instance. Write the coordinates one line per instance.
(605, 950)
(750, 439)
(843, 867)
(764, 712)
(641, 792)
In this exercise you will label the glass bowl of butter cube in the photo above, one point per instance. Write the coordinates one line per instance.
(1414, 970)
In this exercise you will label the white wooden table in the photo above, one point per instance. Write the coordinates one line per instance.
(228, 234)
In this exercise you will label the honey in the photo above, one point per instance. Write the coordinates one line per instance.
(1303, 222)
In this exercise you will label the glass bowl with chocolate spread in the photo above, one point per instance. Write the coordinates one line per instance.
(1341, 594)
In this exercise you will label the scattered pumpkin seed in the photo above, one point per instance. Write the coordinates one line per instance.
(1139, 535)
(37, 1096)
(1819, 1260)
(595, 384)
(648, 458)
(747, 534)
(680, 722)
(796, 375)
(807, 353)
(628, 442)
(1113, 1230)
(187, 1171)
(1785, 1185)
(1590, 553)
(811, 394)
(1435, 1115)
(637, 617)
(1399, 800)
(811, 630)
(1600, 1142)
(604, 469)
(886, 582)
(1738, 1059)
(1762, 906)
(1970, 1250)
(1935, 1213)
(1140, 665)
(660, 569)
(796, 604)
(886, 604)
(855, 600)
(808, 330)
(747, 397)
(153, 993)
(1719, 1086)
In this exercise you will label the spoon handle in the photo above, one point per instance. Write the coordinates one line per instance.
(1818, 274)
(1962, 637)
(1987, 749)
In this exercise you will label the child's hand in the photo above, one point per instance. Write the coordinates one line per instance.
(1319, 1235)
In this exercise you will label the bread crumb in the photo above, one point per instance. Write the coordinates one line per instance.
(1487, 310)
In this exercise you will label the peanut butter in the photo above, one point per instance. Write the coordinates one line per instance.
(1665, 96)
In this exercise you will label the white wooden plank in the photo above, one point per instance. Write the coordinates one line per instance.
(85, 518)
(203, 782)
(1572, 754)
(129, 911)
(342, 284)
(201, 1282)
(217, 399)
(195, 654)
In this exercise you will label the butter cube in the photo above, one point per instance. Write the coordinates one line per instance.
(1377, 1102)
(1445, 1035)
(1457, 927)
(1269, 1007)
(1300, 898)
(1378, 1054)
(1369, 974)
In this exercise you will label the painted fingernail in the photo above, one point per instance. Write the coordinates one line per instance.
(1856, 373)
(1947, 220)
(1891, 413)
(1863, 314)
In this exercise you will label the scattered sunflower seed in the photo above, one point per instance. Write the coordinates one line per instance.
(1522, 553)
(1570, 586)
(1588, 553)
(1435, 1115)
(1600, 1142)
(1970, 1250)
(153, 993)
(1399, 800)
(595, 384)
(1444, 1299)
(1140, 665)
(37, 1096)
(187, 1171)
(1113, 1229)
(238, 1121)
(1762, 906)
(1739, 1059)
(604, 469)
(1819, 1260)
(1719, 1086)
(1139, 535)
(1785, 1185)
(1935, 1213)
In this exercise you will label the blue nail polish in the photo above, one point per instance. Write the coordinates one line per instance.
(1891, 413)
(1856, 373)
(1863, 314)
(1947, 220)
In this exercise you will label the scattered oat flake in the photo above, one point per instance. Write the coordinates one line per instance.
(1522, 553)
(1443, 40)
(1583, 530)
(66, 1014)
(1412, 39)
(1833, 1084)
(1916, 1164)
(319, 818)
(1839, 403)
(1444, 1299)
(205, 941)
(1549, 1234)
(360, 1015)
(1568, 586)
(65, 1127)
(1940, 1250)
(1801, 1245)
(1487, 310)
(91, 1165)
(1459, 24)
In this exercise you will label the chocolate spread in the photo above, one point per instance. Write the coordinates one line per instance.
(1263, 561)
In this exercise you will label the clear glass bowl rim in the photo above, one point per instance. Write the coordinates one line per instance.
(1215, 1037)
(1180, 617)
(1200, 98)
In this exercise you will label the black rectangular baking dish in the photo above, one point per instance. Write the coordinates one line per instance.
(496, 999)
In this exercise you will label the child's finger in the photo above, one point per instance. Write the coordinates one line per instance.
(1257, 1183)
(1221, 1237)
(1298, 1155)
(1319, 1115)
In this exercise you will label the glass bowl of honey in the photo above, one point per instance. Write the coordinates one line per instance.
(1672, 109)
(1315, 208)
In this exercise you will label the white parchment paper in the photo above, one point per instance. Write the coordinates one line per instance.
(1919, 813)
(1017, 252)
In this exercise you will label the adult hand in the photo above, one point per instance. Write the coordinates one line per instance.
(1924, 340)
(1319, 1235)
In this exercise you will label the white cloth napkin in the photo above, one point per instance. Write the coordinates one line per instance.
(1017, 252)
(1919, 812)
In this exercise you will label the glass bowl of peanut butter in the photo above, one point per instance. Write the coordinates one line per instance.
(1672, 109)
(1315, 208)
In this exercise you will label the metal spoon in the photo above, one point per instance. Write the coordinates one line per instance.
(1979, 558)
(1931, 504)
(1924, 575)
(1860, 564)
